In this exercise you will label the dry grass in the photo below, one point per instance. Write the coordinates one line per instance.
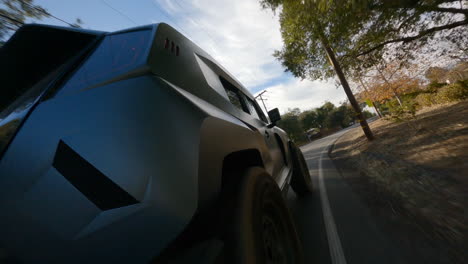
(418, 167)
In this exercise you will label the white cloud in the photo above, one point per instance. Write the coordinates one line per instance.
(242, 37)
(302, 94)
(239, 34)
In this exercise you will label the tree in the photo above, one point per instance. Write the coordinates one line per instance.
(323, 112)
(368, 114)
(291, 124)
(309, 119)
(366, 96)
(312, 39)
(458, 73)
(365, 32)
(379, 91)
(439, 75)
(326, 117)
(387, 80)
(405, 27)
(328, 107)
(13, 14)
(340, 117)
(436, 74)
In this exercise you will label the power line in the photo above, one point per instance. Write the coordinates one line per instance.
(250, 75)
(213, 43)
(39, 9)
(72, 25)
(214, 46)
(168, 18)
(122, 14)
(206, 32)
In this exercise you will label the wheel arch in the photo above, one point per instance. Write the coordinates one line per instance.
(219, 154)
(226, 146)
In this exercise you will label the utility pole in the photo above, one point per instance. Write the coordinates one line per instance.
(261, 98)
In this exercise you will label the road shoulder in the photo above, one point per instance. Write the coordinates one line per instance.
(399, 227)
(362, 239)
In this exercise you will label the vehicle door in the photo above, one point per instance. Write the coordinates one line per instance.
(277, 159)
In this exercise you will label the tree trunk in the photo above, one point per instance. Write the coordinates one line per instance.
(397, 96)
(373, 103)
(331, 55)
(377, 108)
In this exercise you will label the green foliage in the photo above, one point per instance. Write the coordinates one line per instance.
(290, 123)
(435, 93)
(334, 119)
(305, 26)
(444, 94)
(327, 117)
(317, 36)
(425, 99)
(389, 105)
(366, 114)
(371, 30)
(412, 95)
(452, 92)
(323, 112)
(309, 119)
(402, 112)
(340, 117)
(433, 86)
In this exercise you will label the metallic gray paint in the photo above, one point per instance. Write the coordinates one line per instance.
(161, 132)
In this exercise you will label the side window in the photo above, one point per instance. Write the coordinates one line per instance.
(251, 106)
(260, 112)
(234, 98)
(234, 95)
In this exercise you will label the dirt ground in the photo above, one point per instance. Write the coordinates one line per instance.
(414, 177)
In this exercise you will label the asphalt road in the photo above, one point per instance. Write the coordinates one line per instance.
(333, 224)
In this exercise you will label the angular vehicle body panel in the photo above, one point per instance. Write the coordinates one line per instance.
(122, 140)
(119, 150)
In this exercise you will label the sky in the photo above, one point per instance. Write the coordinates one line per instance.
(239, 34)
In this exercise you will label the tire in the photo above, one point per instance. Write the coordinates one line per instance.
(301, 181)
(261, 229)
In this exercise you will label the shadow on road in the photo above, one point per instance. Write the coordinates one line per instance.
(307, 214)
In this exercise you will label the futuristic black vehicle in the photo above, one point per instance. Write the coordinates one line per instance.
(137, 146)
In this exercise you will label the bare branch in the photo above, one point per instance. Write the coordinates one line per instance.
(420, 35)
(12, 19)
(444, 9)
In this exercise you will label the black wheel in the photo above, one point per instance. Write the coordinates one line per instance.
(301, 181)
(261, 229)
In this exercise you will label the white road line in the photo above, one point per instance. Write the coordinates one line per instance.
(334, 243)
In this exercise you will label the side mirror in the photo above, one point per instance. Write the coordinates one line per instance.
(274, 116)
